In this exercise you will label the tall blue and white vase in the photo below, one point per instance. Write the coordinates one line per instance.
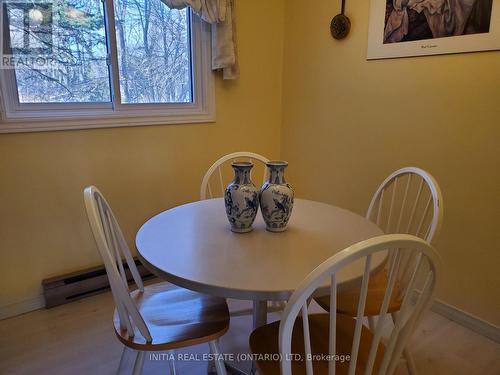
(241, 198)
(276, 198)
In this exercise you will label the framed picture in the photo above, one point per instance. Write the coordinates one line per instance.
(400, 28)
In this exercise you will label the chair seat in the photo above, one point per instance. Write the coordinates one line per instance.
(176, 317)
(347, 301)
(264, 340)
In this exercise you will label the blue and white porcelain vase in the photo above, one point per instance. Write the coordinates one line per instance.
(241, 198)
(276, 198)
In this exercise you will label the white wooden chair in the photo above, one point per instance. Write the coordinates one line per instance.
(206, 191)
(407, 201)
(157, 317)
(320, 337)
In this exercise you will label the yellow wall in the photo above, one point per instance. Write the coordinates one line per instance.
(345, 124)
(348, 122)
(43, 227)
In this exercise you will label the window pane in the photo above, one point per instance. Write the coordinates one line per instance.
(153, 52)
(61, 49)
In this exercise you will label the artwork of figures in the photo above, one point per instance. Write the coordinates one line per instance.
(407, 20)
(422, 27)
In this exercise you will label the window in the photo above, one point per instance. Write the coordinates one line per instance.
(87, 63)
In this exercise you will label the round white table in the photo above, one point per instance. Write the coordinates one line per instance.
(192, 246)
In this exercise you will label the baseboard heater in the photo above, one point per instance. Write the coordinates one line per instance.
(85, 283)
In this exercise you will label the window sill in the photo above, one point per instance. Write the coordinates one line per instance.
(105, 118)
(23, 126)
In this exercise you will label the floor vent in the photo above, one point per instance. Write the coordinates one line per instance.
(74, 286)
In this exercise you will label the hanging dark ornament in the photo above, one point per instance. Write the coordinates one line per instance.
(340, 25)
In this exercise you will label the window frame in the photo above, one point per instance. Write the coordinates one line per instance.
(34, 117)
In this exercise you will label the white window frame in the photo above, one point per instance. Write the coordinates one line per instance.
(33, 117)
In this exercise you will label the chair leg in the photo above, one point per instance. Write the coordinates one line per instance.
(211, 370)
(410, 362)
(122, 359)
(125, 360)
(219, 363)
(139, 363)
(171, 363)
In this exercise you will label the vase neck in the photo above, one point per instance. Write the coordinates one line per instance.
(242, 173)
(277, 175)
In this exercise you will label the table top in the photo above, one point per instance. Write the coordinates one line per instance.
(192, 246)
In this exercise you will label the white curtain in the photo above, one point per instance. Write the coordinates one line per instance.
(220, 15)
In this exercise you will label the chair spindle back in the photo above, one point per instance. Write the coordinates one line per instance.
(216, 170)
(408, 201)
(417, 298)
(112, 247)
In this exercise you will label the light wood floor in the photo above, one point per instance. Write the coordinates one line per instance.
(78, 339)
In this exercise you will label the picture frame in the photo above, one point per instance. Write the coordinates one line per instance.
(404, 28)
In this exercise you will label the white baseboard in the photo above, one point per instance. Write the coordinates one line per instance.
(22, 307)
(467, 320)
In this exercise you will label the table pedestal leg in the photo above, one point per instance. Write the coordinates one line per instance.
(259, 319)
(259, 313)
